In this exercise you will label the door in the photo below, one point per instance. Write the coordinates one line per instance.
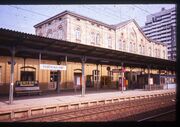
(78, 79)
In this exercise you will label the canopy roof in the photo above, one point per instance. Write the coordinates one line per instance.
(29, 46)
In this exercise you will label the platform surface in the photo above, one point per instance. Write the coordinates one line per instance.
(65, 98)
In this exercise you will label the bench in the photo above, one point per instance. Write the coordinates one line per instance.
(27, 87)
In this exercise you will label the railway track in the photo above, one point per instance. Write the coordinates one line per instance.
(106, 112)
(164, 116)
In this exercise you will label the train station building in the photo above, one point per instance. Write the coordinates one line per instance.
(74, 52)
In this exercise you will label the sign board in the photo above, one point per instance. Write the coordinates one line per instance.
(118, 70)
(151, 81)
(52, 67)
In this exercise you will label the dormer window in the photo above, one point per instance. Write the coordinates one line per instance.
(78, 33)
(92, 38)
(109, 42)
(97, 39)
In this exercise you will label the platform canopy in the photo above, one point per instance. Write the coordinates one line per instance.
(29, 46)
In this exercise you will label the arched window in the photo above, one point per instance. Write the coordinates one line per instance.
(124, 45)
(109, 42)
(134, 47)
(130, 47)
(143, 49)
(120, 44)
(92, 38)
(159, 53)
(49, 33)
(156, 52)
(150, 51)
(97, 39)
(60, 32)
(78, 33)
(164, 55)
(140, 49)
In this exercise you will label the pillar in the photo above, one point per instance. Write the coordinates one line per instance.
(159, 77)
(122, 77)
(66, 70)
(97, 77)
(39, 67)
(12, 76)
(149, 77)
(58, 78)
(83, 59)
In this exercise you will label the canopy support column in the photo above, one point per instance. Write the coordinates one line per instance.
(83, 60)
(12, 76)
(122, 67)
(149, 77)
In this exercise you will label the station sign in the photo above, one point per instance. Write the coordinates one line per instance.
(118, 70)
(52, 67)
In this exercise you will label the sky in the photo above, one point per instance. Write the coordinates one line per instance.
(23, 17)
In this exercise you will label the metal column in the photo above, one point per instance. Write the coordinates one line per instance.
(66, 70)
(39, 66)
(159, 77)
(122, 76)
(83, 76)
(58, 78)
(12, 77)
(149, 77)
(97, 77)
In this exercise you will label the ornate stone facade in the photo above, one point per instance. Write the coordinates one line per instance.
(126, 36)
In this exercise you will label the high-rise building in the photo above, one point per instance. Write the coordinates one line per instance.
(161, 26)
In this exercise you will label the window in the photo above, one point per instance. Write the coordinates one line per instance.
(150, 51)
(120, 44)
(159, 52)
(124, 45)
(130, 47)
(53, 76)
(140, 49)
(134, 47)
(143, 49)
(28, 76)
(0, 75)
(97, 39)
(92, 38)
(78, 33)
(110, 74)
(95, 74)
(109, 42)
(60, 32)
(49, 33)
(156, 52)
(27, 73)
(164, 55)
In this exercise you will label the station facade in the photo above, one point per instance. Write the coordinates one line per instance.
(69, 26)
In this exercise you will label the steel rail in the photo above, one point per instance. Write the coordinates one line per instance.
(157, 115)
(91, 110)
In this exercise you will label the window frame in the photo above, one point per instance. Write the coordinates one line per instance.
(78, 33)
(109, 42)
(98, 39)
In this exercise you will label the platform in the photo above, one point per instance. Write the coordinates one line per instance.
(54, 103)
